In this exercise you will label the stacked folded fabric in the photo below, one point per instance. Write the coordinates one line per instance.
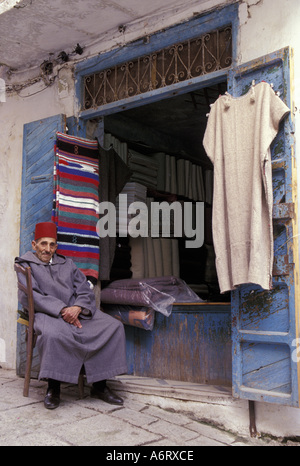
(76, 201)
(180, 176)
(164, 172)
(160, 158)
(119, 147)
(154, 257)
(158, 294)
(144, 168)
(190, 180)
(145, 292)
(135, 193)
(171, 174)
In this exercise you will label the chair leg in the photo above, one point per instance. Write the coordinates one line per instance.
(28, 364)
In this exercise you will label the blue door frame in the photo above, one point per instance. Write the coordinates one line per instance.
(265, 330)
(180, 33)
(251, 349)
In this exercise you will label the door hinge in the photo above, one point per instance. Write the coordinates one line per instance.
(283, 211)
(281, 265)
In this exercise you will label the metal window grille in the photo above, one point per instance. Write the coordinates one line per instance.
(180, 62)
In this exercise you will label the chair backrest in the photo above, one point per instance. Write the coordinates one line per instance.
(26, 288)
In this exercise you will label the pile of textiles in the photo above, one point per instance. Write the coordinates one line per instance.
(135, 193)
(179, 176)
(119, 147)
(154, 257)
(76, 201)
(190, 180)
(141, 317)
(158, 293)
(144, 168)
(114, 176)
(166, 173)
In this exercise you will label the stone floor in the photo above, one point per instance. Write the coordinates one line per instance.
(90, 422)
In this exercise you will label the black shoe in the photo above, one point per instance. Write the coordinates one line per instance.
(52, 399)
(106, 395)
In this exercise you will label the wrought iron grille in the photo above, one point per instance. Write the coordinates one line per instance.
(180, 62)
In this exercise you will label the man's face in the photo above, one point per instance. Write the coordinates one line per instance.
(45, 248)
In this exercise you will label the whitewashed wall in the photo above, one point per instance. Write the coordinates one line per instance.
(269, 25)
(14, 113)
(265, 26)
(31, 104)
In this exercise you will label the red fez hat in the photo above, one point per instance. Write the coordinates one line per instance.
(45, 230)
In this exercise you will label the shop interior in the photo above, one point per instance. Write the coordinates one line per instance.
(193, 343)
(169, 133)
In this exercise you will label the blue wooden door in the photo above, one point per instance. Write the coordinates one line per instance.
(37, 171)
(37, 198)
(37, 175)
(264, 323)
(37, 193)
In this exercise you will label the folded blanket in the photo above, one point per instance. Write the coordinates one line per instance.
(76, 201)
(144, 168)
(156, 293)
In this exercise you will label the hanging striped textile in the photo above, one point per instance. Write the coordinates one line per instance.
(76, 201)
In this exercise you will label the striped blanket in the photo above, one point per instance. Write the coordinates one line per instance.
(76, 201)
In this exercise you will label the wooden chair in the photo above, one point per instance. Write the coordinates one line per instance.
(25, 285)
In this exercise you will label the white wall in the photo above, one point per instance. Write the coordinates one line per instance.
(265, 26)
(270, 25)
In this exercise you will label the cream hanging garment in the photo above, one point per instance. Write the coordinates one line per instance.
(237, 140)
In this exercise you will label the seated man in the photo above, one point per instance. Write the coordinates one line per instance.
(71, 331)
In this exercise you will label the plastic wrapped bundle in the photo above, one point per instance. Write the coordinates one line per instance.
(141, 317)
(156, 293)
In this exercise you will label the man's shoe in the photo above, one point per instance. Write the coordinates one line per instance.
(106, 395)
(52, 399)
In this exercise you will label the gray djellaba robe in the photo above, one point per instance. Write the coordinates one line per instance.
(99, 345)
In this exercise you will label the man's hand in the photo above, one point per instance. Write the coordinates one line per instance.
(70, 315)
